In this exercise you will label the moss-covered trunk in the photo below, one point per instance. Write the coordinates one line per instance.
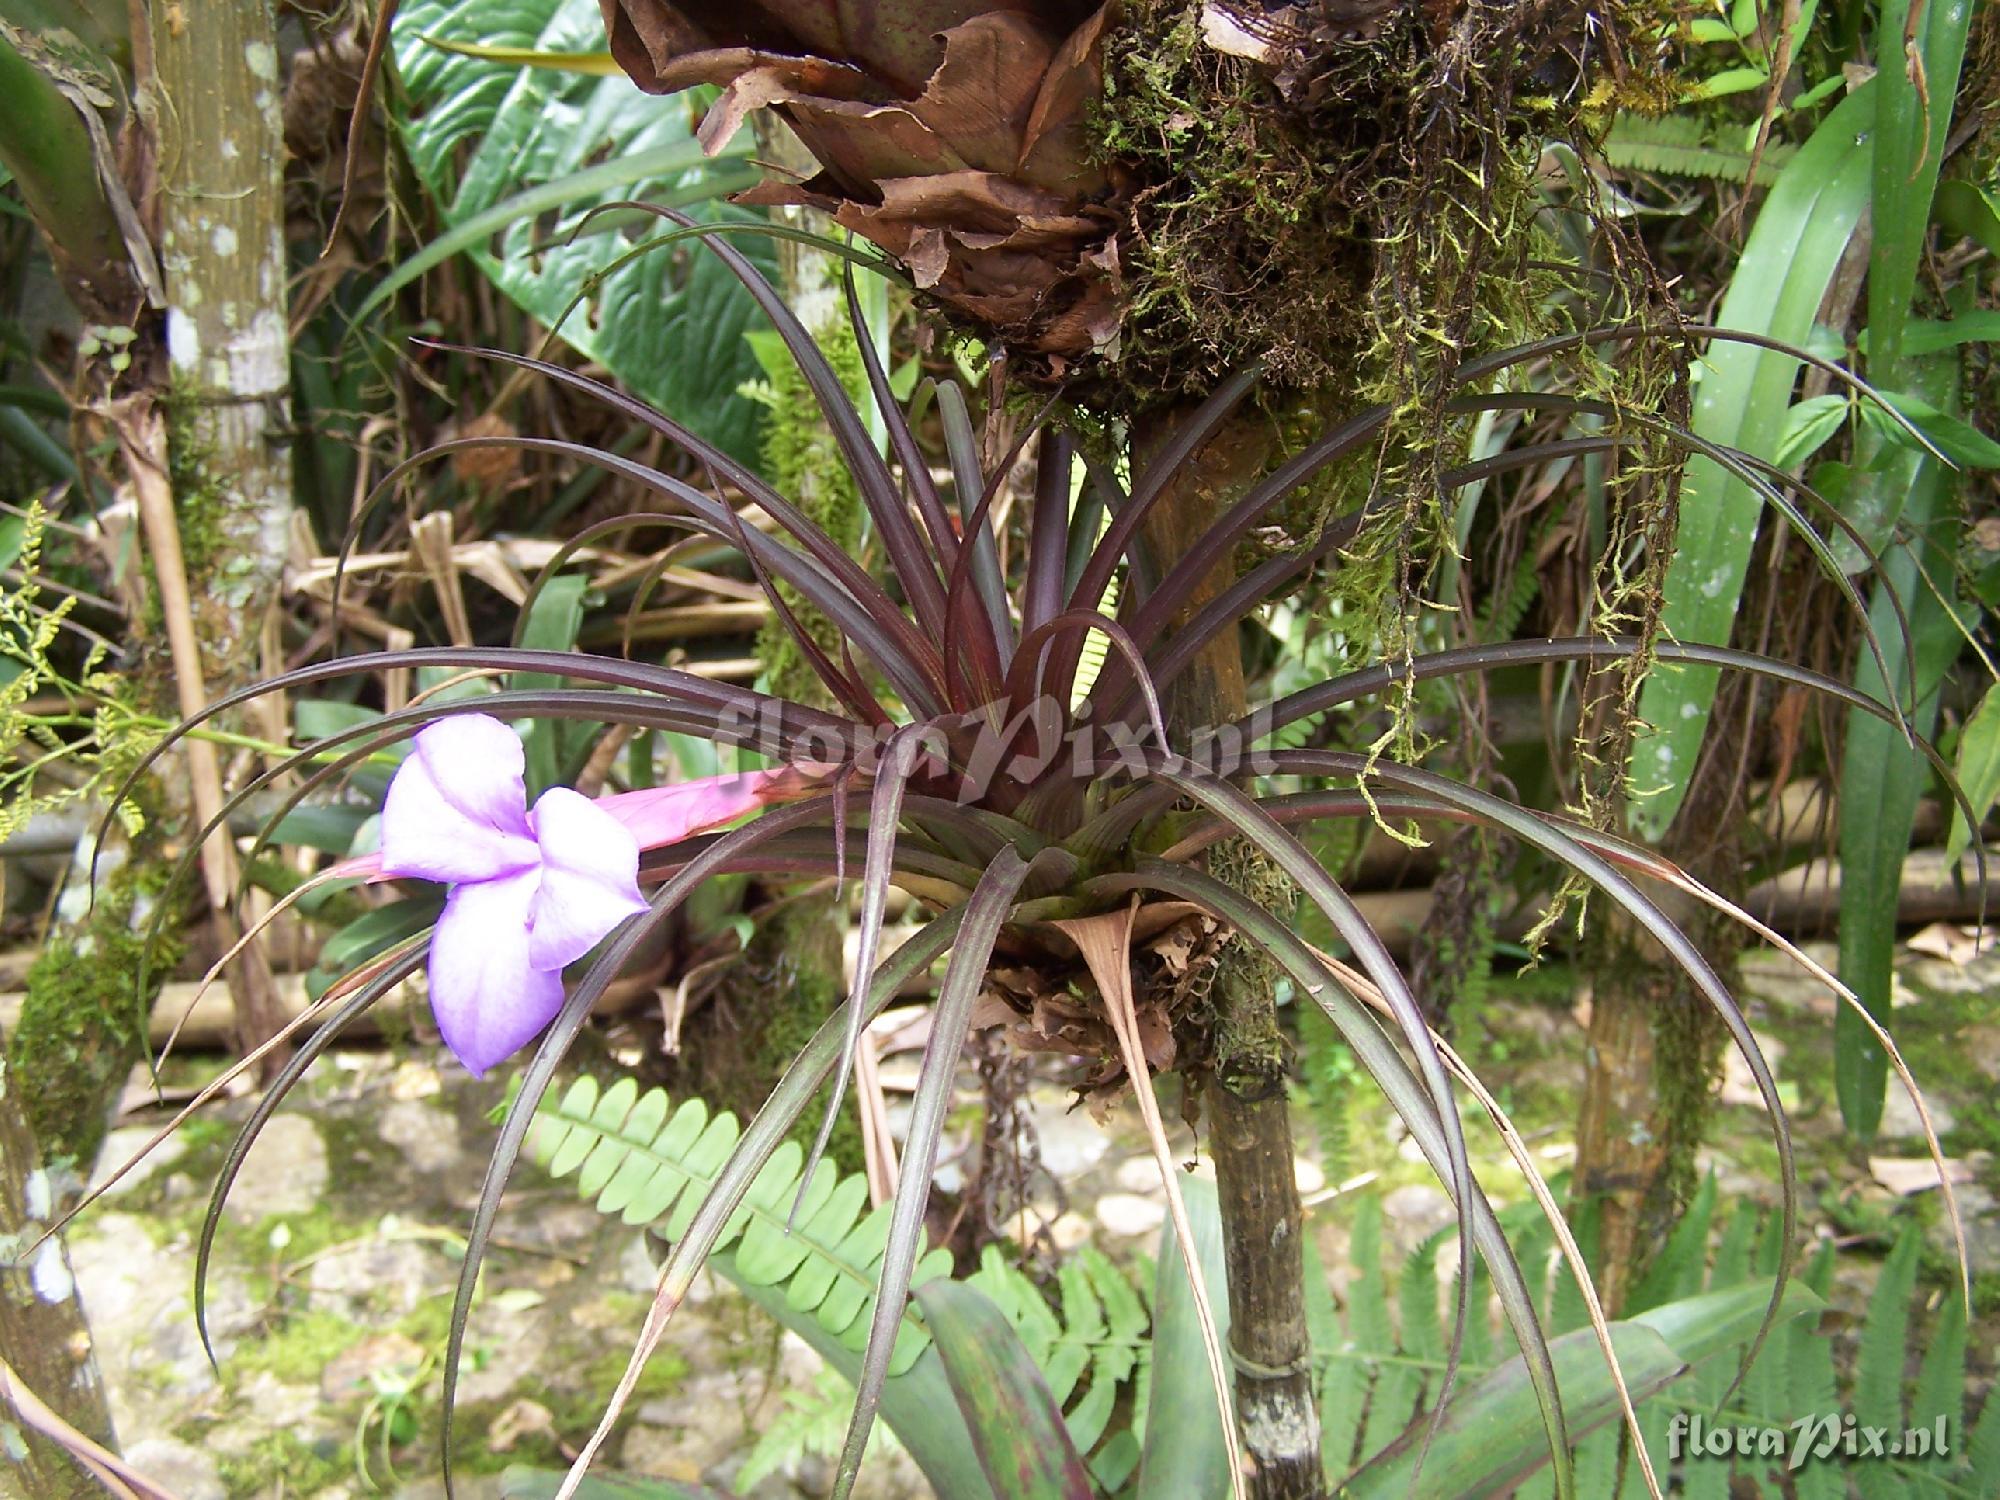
(43, 1335)
(1654, 1044)
(1248, 1113)
(220, 139)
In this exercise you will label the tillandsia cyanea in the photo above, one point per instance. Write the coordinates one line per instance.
(970, 763)
(532, 889)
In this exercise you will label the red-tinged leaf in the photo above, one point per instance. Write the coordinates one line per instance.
(1016, 1426)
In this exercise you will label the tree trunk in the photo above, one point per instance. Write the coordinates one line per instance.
(1250, 1127)
(43, 1335)
(1654, 1046)
(220, 135)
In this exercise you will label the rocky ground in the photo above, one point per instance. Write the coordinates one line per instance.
(334, 1268)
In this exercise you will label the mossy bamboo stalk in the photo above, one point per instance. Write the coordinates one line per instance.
(1244, 1096)
(216, 106)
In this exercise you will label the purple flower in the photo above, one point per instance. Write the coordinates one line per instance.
(531, 889)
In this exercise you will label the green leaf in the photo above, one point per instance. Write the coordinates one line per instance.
(1966, 208)
(517, 156)
(1490, 1436)
(596, 64)
(368, 935)
(1927, 336)
(917, 1403)
(1015, 1423)
(552, 745)
(1798, 239)
(1959, 441)
(1882, 775)
(330, 829)
(1881, 1357)
(1910, 133)
(1681, 146)
(1731, 81)
(1940, 1394)
(1185, 1451)
(1977, 768)
(1809, 426)
(1913, 98)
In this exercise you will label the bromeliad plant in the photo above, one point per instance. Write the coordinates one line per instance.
(1035, 806)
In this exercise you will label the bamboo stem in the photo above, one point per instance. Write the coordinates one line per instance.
(217, 116)
(1250, 1128)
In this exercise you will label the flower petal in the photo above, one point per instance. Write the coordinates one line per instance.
(489, 1000)
(457, 809)
(590, 878)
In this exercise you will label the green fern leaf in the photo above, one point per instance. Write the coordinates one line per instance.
(1878, 1373)
(638, 1158)
(1680, 1268)
(1679, 146)
(1940, 1395)
(1982, 1449)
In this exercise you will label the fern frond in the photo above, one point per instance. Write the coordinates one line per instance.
(1884, 1347)
(1680, 146)
(635, 1158)
(1099, 1346)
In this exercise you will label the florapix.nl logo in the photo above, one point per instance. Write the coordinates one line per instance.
(1828, 1437)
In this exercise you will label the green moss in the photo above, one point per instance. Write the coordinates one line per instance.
(1250, 1054)
(794, 972)
(284, 1463)
(804, 462)
(1246, 242)
(299, 1348)
(579, 1410)
(200, 501)
(83, 1019)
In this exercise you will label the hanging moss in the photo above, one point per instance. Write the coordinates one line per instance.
(1244, 242)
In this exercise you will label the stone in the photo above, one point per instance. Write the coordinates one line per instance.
(262, 1405)
(349, 1372)
(178, 1468)
(1979, 1044)
(285, 1173)
(377, 1279)
(426, 1138)
(1981, 1213)
(1070, 1231)
(519, 1419)
(1128, 1214)
(1739, 1084)
(1071, 1143)
(1138, 1174)
(1900, 1120)
(681, 1436)
(415, 1080)
(120, 1146)
(1415, 1211)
